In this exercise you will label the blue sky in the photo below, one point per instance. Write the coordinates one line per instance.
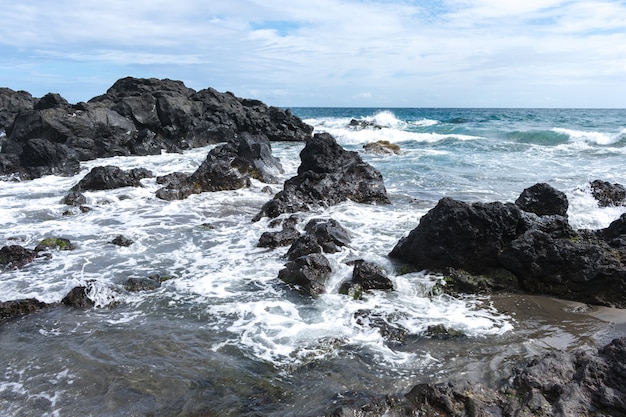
(385, 53)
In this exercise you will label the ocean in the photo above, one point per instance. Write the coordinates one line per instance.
(223, 336)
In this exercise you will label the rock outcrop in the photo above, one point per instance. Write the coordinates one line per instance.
(14, 308)
(111, 177)
(491, 241)
(578, 383)
(227, 167)
(328, 175)
(134, 117)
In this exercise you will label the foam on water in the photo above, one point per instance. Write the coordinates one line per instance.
(598, 138)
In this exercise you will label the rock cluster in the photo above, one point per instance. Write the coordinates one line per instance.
(135, 117)
(531, 240)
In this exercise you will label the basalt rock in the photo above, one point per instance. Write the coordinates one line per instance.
(134, 117)
(78, 298)
(111, 177)
(383, 147)
(484, 243)
(15, 308)
(307, 273)
(320, 236)
(227, 167)
(328, 175)
(369, 276)
(607, 194)
(15, 256)
(577, 383)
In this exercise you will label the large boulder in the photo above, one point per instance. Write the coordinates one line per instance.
(328, 175)
(135, 117)
(111, 177)
(227, 167)
(482, 244)
(543, 199)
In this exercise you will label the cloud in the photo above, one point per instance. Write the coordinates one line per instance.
(415, 52)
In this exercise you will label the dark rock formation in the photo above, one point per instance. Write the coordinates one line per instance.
(383, 147)
(227, 167)
(15, 256)
(307, 273)
(607, 194)
(78, 298)
(122, 241)
(320, 236)
(284, 237)
(75, 198)
(328, 175)
(578, 383)
(15, 308)
(111, 177)
(134, 117)
(13, 103)
(390, 332)
(366, 276)
(542, 199)
(491, 241)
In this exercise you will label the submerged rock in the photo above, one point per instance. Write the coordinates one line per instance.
(111, 177)
(16, 256)
(121, 240)
(491, 241)
(607, 194)
(320, 236)
(78, 298)
(15, 308)
(365, 276)
(57, 243)
(383, 147)
(307, 273)
(328, 175)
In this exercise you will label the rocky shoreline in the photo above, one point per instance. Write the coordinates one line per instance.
(526, 247)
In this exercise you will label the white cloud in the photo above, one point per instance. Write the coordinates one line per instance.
(328, 52)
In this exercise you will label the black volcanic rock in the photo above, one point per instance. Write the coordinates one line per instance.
(328, 175)
(78, 298)
(307, 273)
(227, 167)
(11, 104)
(482, 244)
(135, 117)
(607, 194)
(15, 308)
(543, 199)
(16, 256)
(111, 177)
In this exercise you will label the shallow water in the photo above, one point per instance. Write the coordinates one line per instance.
(223, 336)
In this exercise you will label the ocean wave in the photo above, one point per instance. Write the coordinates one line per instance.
(598, 138)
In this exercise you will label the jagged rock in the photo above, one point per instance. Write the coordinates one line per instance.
(308, 274)
(111, 177)
(543, 199)
(370, 276)
(607, 194)
(135, 116)
(483, 243)
(284, 237)
(328, 175)
(304, 245)
(78, 298)
(16, 256)
(75, 198)
(383, 147)
(122, 241)
(227, 167)
(11, 104)
(15, 308)
(320, 236)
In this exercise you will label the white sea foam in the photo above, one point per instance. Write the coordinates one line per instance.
(598, 138)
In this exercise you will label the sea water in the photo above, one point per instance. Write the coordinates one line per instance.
(223, 336)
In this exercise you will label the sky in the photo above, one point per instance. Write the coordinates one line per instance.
(326, 53)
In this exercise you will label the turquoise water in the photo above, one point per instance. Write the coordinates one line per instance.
(224, 337)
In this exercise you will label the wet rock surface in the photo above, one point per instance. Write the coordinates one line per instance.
(111, 177)
(542, 251)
